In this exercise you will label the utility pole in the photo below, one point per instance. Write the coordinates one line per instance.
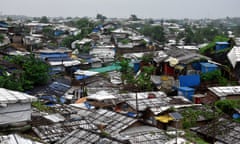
(137, 104)
(176, 116)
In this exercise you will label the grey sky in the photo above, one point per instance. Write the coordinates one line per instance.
(124, 8)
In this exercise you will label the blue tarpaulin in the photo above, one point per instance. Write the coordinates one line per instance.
(53, 55)
(87, 105)
(236, 116)
(189, 80)
(136, 66)
(49, 98)
(186, 92)
(196, 65)
(3, 24)
(208, 67)
(221, 45)
(131, 114)
(80, 77)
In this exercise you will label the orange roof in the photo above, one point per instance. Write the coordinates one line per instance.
(81, 100)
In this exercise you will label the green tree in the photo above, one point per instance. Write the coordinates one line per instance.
(189, 35)
(155, 32)
(9, 19)
(67, 41)
(36, 71)
(1, 38)
(236, 31)
(214, 76)
(210, 47)
(10, 82)
(147, 58)
(85, 48)
(198, 35)
(228, 106)
(86, 27)
(125, 41)
(83, 23)
(180, 35)
(44, 19)
(33, 72)
(133, 17)
(101, 17)
(127, 72)
(48, 32)
(143, 81)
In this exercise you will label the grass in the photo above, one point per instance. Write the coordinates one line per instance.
(194, 138)
(42, 107)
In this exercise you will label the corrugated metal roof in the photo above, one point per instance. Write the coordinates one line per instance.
(101, 95)
(9, 96)
(59, 87)
(53, 133)
(143, 104)
(16, 139)
(225, 91)
(140, 95)
(146, 134)
(234, 56)
(81, 136)
(222, 130)
(185, 56)
(113, 121)
(55, 117)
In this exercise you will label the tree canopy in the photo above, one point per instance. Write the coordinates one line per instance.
(199, 35)
(134, 17)
(101, 17)
(1, 38)
(49, 33)
(210, 47)
(141, 82)
(44, 19)
(86, 27)
(155, 32)
(32, 72)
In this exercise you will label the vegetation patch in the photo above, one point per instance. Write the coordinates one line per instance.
(32, 72)
(191, 116)
(228, 106)
(215, 75)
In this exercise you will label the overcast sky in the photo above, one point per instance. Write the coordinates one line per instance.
(123, 8)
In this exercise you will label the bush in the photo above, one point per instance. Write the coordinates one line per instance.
(210, 47)
(214, 76)
(227, 106)
(190, 116)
